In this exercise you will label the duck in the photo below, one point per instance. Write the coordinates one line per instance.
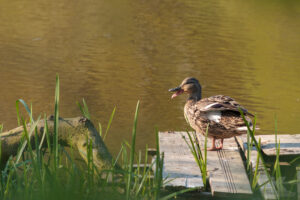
(220, 113)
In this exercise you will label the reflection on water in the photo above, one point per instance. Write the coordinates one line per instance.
(113, 53)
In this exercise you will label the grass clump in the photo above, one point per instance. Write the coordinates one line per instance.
(268, 166)
(52, 171)
(201, 160)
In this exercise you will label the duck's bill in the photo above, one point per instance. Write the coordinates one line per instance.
(177, 90)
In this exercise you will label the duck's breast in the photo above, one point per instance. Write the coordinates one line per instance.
(192, 115)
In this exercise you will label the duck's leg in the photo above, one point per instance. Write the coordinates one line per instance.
(213, 146)
(221, 145)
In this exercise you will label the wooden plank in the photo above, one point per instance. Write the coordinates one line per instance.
(289, 144)
(266, 189)
(180, 168)
(227, 174)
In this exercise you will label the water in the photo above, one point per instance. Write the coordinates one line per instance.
(113, 53)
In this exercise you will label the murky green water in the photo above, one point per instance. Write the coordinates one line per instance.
(113, 53)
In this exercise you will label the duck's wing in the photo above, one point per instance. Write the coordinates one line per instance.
(221, 103)
(222, 113)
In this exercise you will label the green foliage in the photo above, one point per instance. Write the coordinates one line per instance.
(274, 173)
(132, 152)
(84, 109)
(200, 159)
(110, 121)
(51, 172)
(85, 112)
(56, 121)
(251, 132)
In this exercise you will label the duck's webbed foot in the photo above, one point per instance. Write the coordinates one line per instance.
(221, 145)
(213, 146)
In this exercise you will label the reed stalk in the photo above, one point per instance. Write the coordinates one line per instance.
(56, 121)
(195, 149)
(259, 151)
(132, 152)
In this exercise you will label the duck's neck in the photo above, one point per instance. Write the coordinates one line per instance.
(196, 96)
(196, 93)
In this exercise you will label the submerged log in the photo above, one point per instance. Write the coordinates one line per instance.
(71, 132)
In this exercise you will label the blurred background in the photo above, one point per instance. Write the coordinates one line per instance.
(114, 53)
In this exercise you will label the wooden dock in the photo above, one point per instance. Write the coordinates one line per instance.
(226, 172)
(180, 168)
(226, 168)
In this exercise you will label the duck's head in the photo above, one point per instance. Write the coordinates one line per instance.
(189, 85)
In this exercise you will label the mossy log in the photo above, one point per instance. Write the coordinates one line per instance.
(72, 132)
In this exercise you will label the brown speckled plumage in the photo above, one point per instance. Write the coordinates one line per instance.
(220, 112)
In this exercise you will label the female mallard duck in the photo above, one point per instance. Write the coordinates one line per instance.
(220, 112)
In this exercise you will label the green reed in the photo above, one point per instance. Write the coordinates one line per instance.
(56, 124)
(255, 177)
(251, 132)
(85, 112)
(132, 152)
(84, 109)
(201, 160)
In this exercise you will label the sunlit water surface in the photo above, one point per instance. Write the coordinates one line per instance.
(114, 53)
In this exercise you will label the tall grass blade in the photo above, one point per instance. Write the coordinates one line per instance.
(23, 145)
(144, 179)
(204, 172)
(47, 135)
(249, 148)
(84, 110)
(0, 153)
(8, 182)
(100, 130)
(109, 122)
(277, 169)
(158, 168)
(26, 108)
(146, 159)
(44, 135)
(1, 128)
(255, 176)
(197, 154)
(56, 121)
(132, 152)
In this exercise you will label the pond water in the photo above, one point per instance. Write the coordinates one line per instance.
(114, 53)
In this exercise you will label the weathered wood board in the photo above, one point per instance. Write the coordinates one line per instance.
(180, 168)
(227, 174)
(266, 189)
(289, 144)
